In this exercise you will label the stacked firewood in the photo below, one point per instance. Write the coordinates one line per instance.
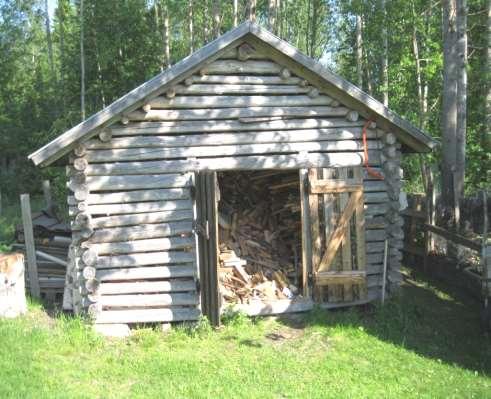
(260, 242)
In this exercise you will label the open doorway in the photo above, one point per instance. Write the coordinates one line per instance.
(259, 236)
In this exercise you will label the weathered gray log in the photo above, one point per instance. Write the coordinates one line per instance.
(105, 135)
(173, 127)
(80, 164)
(230, 67)
(219, 139)
(141, 273)
(89, 272)
(140, 232)
(147, 315)
(231, 113)
(134, 196)
(114, 183)
(135, 219)
(185, 102)
(212, 89)
(142, 287)
(51, 258)
(32, 270)
(151, 300)
(136, 207)
(145, 259)
(82, 220)
(253, 162)
(79, 150)
(352, 116)
(90, 257)
(157, 244)
(375, 235)
(244, 79)
(139, 154)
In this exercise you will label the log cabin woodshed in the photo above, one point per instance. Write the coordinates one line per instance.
(156, 225)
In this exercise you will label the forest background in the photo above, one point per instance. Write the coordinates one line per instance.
(63, 60)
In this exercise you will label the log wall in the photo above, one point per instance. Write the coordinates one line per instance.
(132, 204)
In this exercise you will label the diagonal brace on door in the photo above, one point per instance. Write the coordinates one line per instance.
(337, 236)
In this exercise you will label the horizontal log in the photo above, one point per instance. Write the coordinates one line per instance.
(185, 102)
(134, 196)
(375, 197)
(219, 139)
(145, 259)
(141, 231)
(139, 154)
(142, 273)
(113, 183)
(374, 185)
(245, 79)
(142, 287)
(149, 300)
(376, 209)
(212, 89)
(157, 244)
(147, 315)
(136, 207)
(137, 219)
(208, 114)
(375, 235)
(252, 54)
(454, 237)
(43, 255)
(219, 126)
(253, 162)
(230, 67)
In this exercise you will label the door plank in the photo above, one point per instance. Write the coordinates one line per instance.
(338, 234)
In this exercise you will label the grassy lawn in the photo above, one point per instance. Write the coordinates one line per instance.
(426, 343)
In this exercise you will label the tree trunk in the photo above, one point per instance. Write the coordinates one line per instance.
(236, 12)
(449, 104)
(216, 18)
(165, 36)
(206, 30)
(272, 15)
(421, 87)
(461, 98)
(61, 21)
(359, 53)
(385, 56)
(314, 27)
(486, 141)
(48, 40)
(82, 62)
(252, 10)
(191, 27)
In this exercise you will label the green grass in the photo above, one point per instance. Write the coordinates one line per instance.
(426, 343)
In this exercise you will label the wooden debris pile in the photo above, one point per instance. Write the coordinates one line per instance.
(260, 235)
(51, 240)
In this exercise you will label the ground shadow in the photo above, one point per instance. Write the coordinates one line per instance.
(434, 317)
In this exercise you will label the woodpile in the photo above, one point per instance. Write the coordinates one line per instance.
(260, 235)
(51, 241)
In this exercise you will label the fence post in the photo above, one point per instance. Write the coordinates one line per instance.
(48, 199)
(32, 269)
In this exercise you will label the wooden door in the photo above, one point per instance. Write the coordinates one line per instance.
(334, 230)
(206, 228)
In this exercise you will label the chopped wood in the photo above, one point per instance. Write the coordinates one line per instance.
(260, 240)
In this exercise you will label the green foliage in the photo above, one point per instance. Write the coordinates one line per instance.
(123, 48)
(424, 343)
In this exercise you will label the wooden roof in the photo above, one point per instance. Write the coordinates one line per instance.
(410, 136)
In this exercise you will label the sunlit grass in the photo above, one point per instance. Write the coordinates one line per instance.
(418, 345)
